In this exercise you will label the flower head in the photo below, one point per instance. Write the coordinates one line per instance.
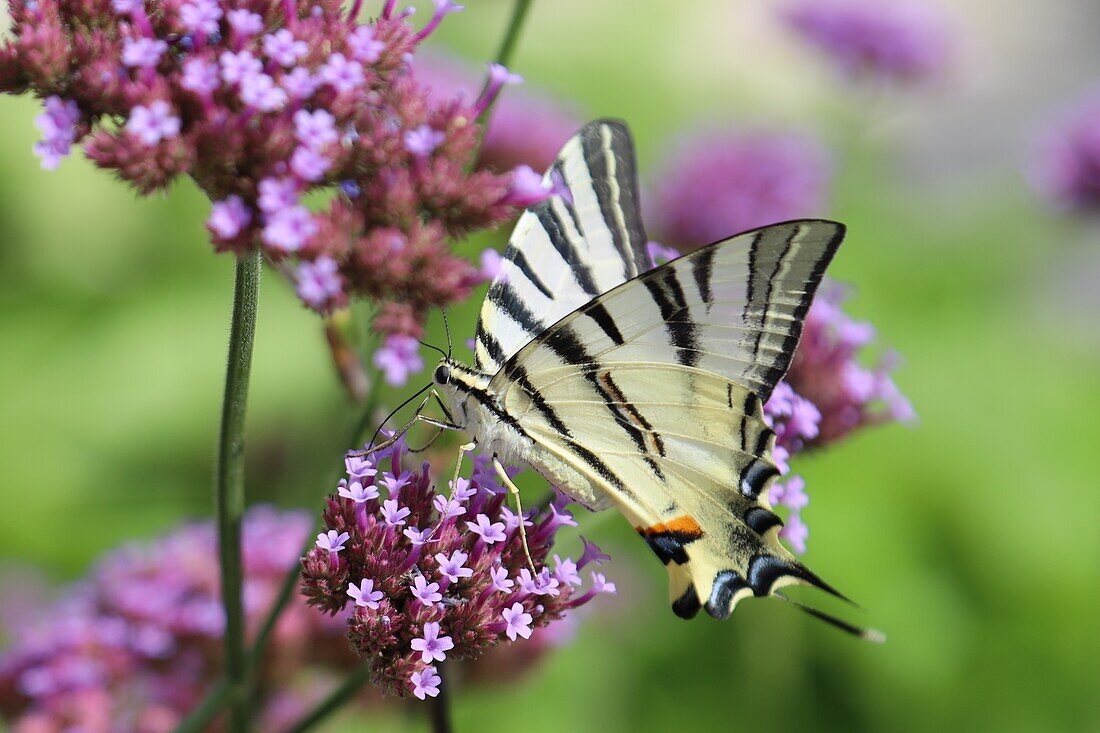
(398, 357)
(239, 97)
(902, 40)
(425, 682)
(719, 184)
(449, 602)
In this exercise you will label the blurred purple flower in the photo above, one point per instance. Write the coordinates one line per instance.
(319, 284)
(717, 184)
(136, 645)
(904, 40)
(398, 357)
(458, 601)
(526, 126)
(1067, 162)
(58, 127)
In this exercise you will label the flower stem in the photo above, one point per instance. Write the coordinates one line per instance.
(511, 35)
(439, 711)
(203, 713)
(229, 479)
(334, 701)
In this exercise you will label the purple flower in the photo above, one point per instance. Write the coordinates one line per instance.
(592, 554)
(423, 140)
(1067, 163)
(425, 592)
(315, 129)
(200, 16)
(244, 23)
(393, 514)
(364, 46)
(359, 467)
(308, 164)
(600, 584)
(791, 493)
(398, 357)
(153, 123)
(454, 568)
(660, 254)
(319, 284)
(260, 92)
(229, 217)
(300, 83)
(341, 73)
(442, 8)
(200, 76)
(127, 7)
(900, 41)
(393, 483)
(566, 571)
(332, 541)
(289, 229)
(527, 187)
(719, 184)
(498, 77)
(364, 594)
(488, 530)
(58, 127)
(425, 683)
(500, 579)
(277, 194)
(358, 493)
(431, 645)
(282, 48)
(419, 537)
(448, 508)
(143, 52)
(518, 622)
(795, 532)
(237, 67)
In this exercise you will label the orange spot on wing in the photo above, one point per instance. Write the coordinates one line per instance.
(684, 526)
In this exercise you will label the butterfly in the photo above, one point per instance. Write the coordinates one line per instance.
(642, 388)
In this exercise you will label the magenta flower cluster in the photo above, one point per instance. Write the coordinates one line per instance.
(1067, 164)
(263, 104)
(827, 394)
(899, 41)
(136, 646)
(434, 576)
(718, 183)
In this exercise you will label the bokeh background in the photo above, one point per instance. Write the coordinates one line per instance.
(970, 538)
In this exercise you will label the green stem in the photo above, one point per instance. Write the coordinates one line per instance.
(229, 479)
(334, 701)
(508, 44)
(205, 711)
(439, 709)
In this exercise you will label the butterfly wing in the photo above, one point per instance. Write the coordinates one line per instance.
(652, 393)
(580, 242)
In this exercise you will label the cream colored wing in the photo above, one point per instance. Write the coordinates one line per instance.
(580, 242)
(652, 394)
(695, 493)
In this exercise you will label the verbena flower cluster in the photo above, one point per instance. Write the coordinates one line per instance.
(827, 393)
(899, 41)
(437, 576)
(1067, 164)
(718, 183)
(527, 127)
(264, 105)
(136, 645)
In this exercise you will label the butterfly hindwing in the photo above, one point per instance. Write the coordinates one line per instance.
(584, 240)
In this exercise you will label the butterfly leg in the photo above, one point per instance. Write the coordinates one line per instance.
(507, 481)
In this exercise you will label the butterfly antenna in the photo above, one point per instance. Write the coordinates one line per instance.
(867, 634)
(435, 348)
(447, 328)
(398, 409)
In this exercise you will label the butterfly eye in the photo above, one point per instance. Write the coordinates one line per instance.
(442, 374)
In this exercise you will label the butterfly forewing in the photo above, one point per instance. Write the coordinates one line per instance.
(582, 241)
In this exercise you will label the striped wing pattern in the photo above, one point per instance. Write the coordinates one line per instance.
(569, 248)
(653, 393)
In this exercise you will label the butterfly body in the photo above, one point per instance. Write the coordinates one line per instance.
(643, 388)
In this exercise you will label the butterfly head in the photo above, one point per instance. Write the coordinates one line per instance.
(461, 384)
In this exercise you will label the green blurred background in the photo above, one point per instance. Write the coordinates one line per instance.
(970, 538)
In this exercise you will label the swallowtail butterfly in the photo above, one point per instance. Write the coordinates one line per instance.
(643, 388)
